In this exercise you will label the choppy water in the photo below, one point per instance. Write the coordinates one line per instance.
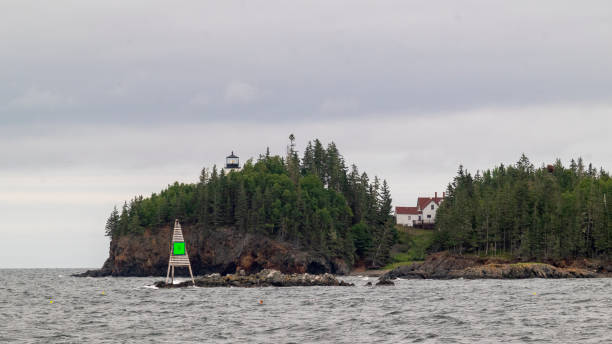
(457, 311)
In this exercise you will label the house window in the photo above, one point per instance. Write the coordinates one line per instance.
(419, 217)
(429, 216)
(432, 207)
(408, 217)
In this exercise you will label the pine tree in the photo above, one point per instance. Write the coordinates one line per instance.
(293, 161)
(320, 161)
(214, 199)
(335, 168)
(203, 176)
(308, 165)
(123, 219)
(383, 235)
(112, 224)
(134, 225)
(241, 213)
(580, 167)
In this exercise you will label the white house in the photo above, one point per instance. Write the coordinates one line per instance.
(406, 215)
(423, 215)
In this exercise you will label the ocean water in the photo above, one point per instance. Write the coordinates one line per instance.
(129, 310)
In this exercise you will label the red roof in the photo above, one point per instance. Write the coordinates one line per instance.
(422, 202)
(406, 210)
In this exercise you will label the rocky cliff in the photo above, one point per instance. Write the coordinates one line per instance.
(221, 251)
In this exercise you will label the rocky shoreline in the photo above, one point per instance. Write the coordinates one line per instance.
(264, 278)
(447, 266)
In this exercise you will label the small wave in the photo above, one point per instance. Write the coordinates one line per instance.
(396, 312)
(582, 301)
(150, 287)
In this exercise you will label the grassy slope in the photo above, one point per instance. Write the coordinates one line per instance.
(412, 246)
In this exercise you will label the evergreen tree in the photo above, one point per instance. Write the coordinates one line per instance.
(308, 166)
(241, 213)
(319, 161)
(385, 234)
(293, 161)
(520, 211)
(112, 224)
(124, 219)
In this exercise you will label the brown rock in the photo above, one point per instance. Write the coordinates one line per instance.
(222, 250)
(385, 282)
(264, 278)
(444, 266)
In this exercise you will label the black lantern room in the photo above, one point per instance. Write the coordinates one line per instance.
(232, 161)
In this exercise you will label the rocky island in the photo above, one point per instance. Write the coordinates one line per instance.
(264, 278)
(296, 215)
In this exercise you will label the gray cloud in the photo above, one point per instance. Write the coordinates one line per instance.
(241, 92)
(37, 99)
(339, 107)
(401, 56)
(200, 99)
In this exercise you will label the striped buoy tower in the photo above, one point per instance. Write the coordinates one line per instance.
(178, 252)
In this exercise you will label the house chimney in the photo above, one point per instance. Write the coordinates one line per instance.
(436, 194)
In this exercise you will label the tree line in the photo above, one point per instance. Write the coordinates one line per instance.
(315, 201)
(552, 212)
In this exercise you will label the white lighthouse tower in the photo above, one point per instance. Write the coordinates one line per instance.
(232, 162)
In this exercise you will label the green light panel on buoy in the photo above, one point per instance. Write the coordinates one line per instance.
(178, 248)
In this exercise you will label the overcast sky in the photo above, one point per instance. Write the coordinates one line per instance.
(104, 100)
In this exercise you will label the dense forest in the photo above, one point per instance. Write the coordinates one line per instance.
(315, 202)
(552, 212)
